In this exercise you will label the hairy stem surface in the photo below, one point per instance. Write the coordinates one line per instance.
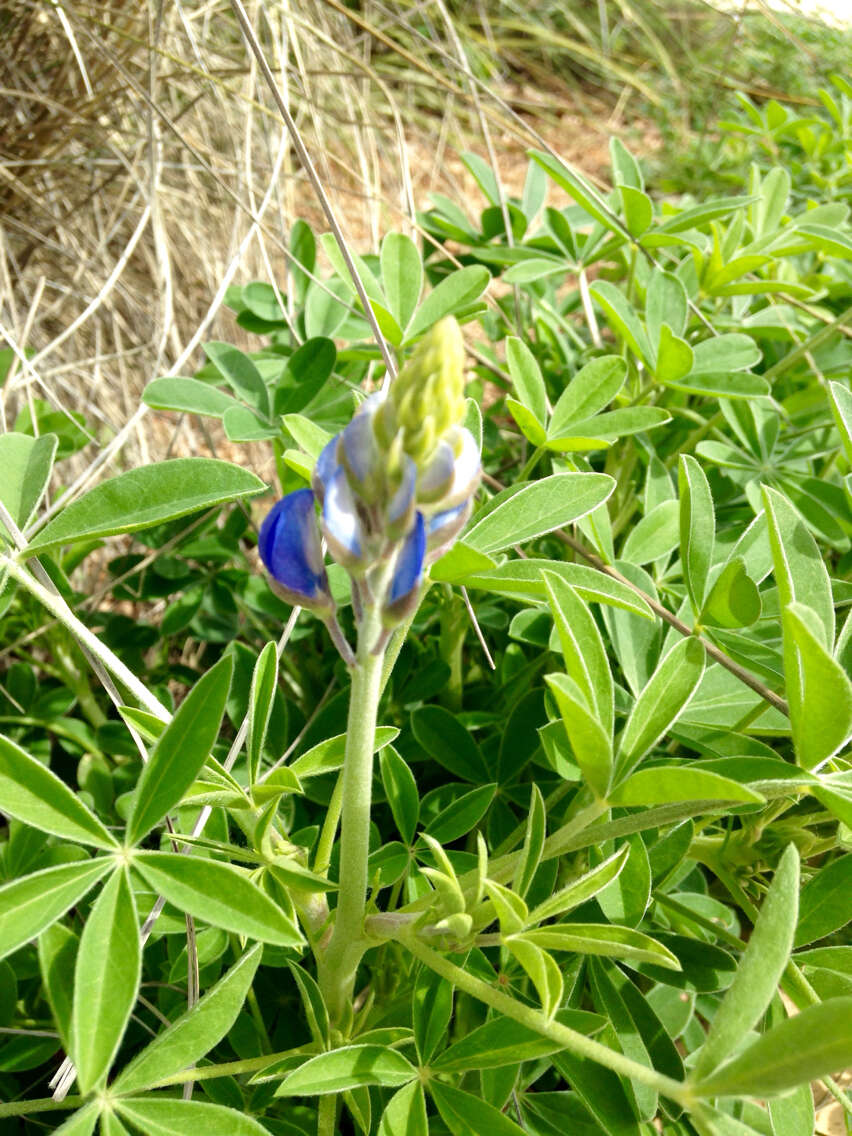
(346, 947)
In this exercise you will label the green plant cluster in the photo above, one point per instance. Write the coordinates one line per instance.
(610, 858)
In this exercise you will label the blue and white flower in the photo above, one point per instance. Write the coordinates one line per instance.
(394, 490)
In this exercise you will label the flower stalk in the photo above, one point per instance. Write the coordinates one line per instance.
(339, 962)
(394, 488)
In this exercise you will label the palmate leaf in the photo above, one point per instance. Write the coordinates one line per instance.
(713, 1122)
(57, 953)
(662, 1051)
(401, 792)
(453, 293)
(656, 535)
(622, 318)
(462, 814)
(590, 742)
(588, 393)
(522, 579)
(583, 192)
(264, 682)
(526, 375)
(327, 755)
(446, 740)
(702, 967)
(585, 887)
(824, 903)
(799, 570)
(112, 1126)
(793, 1114)
(733, 600)
(82, 1123)
(665, 300)
(534, 836)
(625, 900)
(660, 784)
(189, 396)
(598, 432)
(240, 373)
(543, 971)
(402, 276)
(697, 528)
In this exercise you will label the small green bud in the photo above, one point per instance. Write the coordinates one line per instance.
(427, 397)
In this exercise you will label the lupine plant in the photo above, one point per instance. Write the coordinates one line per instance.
(508, 785)
(395, 487)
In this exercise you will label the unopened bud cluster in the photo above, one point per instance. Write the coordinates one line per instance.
(395, 488)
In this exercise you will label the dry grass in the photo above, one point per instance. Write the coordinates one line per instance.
(141, 167)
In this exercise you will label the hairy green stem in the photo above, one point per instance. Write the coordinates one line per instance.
(42, 1104)
(340, 961)
(454, 625)
(329, 827)
(327, 1115)
(532, 461)
(535, 1020)
(398, 638)
(76, 680)
(232, 1068)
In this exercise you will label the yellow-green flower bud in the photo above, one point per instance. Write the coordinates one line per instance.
(427, 397)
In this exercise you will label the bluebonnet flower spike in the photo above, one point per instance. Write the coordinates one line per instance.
(396, 487)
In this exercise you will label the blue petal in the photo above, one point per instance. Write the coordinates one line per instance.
(341, 524)
(408, 573)
(327, 464)
(289, 546)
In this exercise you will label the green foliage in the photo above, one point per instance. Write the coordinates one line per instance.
(584, 896)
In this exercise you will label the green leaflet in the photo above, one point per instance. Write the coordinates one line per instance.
(189, 1038)
(106, 980)
(149, 495)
